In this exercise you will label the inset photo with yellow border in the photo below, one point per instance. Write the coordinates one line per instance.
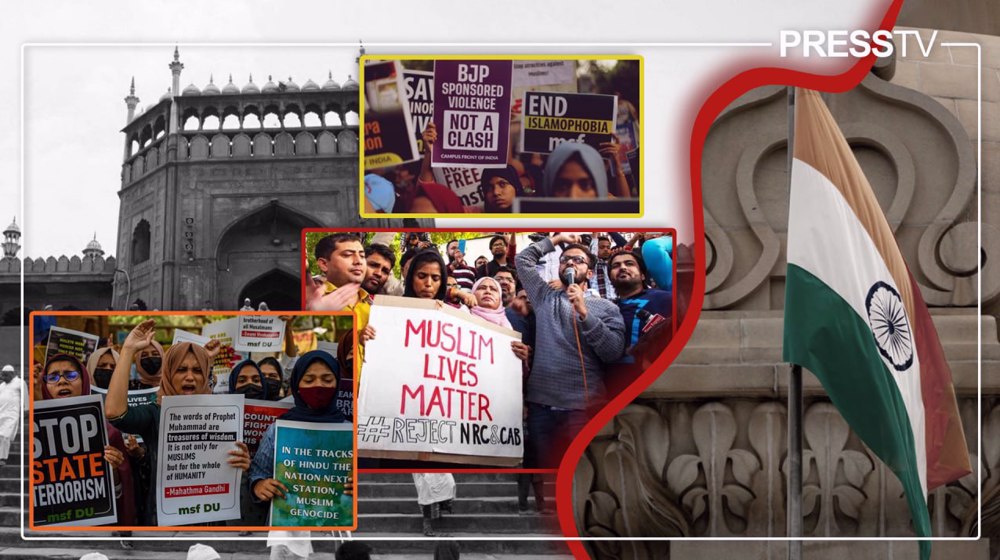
(501, 135)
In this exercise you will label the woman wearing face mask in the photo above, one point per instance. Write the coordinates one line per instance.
(148, 362)
(101, 366)
(246, 379)
(271, 370)
(65, 377)
(314, 387)
(185, 371)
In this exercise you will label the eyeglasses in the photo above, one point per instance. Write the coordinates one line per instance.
(53, 378)
(575, 259)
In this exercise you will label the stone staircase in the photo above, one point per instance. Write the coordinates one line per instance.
(485, 511)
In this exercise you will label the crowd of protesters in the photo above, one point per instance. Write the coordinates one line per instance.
(572, 171)
(593, 310)
(308, 381)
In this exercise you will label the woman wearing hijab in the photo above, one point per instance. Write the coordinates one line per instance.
(185, 371)
(148, 363)
(575, 170)
(246, 379)
(101, 365)
(314, 388)
(271, 369)
(488, 304)
(65, 377)
(499, 188)
(427, 277)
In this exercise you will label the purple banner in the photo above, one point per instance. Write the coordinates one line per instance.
(472, 113)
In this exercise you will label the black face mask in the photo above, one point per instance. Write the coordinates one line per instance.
(151, 365)
(102, 377)
(251, 391)
(273, 389)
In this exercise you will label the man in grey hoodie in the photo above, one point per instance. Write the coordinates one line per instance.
(576, 337)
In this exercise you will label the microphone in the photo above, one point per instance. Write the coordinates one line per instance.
(569, 276)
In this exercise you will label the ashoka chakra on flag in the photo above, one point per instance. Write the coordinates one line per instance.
(887, 318)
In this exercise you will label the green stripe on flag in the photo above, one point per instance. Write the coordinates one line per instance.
(824, 334)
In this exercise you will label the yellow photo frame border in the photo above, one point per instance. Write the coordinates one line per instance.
(361, 130)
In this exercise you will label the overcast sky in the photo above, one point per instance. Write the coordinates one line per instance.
(74, 98)
(73, 95)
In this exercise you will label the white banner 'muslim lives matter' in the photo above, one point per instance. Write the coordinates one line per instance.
(439, 380)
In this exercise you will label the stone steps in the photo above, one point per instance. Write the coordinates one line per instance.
(369, 489)
(230, 543)
(492, 523)
(485, 509)
(119, 554)
(460, 477)
(461, 506)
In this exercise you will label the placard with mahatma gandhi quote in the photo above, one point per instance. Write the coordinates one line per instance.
(472, 113)
(195, 482)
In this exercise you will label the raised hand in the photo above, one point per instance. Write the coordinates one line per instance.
(140, 337)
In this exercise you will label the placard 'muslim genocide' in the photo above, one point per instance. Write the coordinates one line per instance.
(195, 482)
(553, 118)
(72, 484)
(314, 461)
(441, 382)
(471, 113)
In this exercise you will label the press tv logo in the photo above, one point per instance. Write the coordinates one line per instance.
(858, 43)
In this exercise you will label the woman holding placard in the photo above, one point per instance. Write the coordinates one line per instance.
(314, 387)
(65, 377)
(185, 371)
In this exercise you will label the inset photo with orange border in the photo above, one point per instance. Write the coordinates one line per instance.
(483, 349)
(501, 135)
(157, 420)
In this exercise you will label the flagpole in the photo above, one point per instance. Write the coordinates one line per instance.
(794, 494)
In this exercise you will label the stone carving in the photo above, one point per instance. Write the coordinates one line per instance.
(769, 439)
(719, 469)
(928, 201)
(839, 472)
(702, 481)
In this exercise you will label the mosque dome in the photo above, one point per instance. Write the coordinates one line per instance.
(350, 83)
(230, 88)
(290, 85)
(94, 245)
(250, 87)
(330, 84)
(211, 88)
(167, 95)
(191, 90)
(12, 228)
(310, 86)
(270, 86)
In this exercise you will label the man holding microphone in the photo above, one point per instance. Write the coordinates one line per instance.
(577, 336)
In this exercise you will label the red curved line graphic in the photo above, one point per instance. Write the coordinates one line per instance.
(710, 110)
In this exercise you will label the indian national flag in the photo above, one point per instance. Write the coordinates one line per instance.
(854, 316)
